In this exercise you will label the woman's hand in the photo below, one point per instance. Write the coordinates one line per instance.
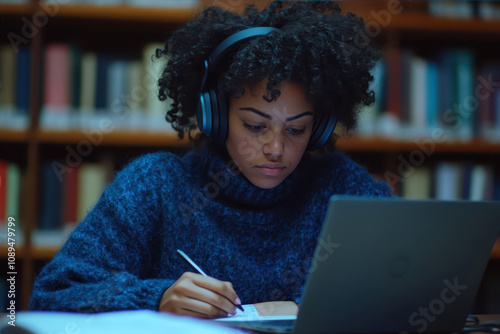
(199, 296)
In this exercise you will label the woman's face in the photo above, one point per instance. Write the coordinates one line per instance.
(266, 140)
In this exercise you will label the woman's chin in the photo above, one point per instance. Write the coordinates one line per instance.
(266, 183)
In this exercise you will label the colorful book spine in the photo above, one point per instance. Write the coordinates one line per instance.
(92, 179)
(51, 198)
(87, 89)
(13, 190)
(56, 94)
(464, 95)
(70, 197)
(23, 73)
(8, 61)
(3, 191)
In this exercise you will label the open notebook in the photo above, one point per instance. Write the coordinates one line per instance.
(250, 319)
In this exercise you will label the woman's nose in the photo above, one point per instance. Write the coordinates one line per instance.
(275, 143)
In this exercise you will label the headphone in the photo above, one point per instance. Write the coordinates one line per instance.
(212, 112)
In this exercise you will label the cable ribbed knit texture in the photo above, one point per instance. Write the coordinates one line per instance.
(123, 254)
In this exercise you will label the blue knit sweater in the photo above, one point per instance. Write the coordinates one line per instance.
(123, 254)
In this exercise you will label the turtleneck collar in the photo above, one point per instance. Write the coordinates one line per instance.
(223, 181)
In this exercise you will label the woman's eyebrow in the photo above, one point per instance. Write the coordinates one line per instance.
(260, 113)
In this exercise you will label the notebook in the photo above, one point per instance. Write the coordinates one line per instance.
(399, 266)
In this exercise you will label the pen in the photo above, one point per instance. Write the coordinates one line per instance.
(198, 269)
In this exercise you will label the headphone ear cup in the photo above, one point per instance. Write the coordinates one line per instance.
(204, 113)
(215, 115)
(321, 132)
(223, 115)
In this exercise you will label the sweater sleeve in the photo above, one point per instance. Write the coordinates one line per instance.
(105, 264)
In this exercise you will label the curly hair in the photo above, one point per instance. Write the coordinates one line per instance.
(327, 52)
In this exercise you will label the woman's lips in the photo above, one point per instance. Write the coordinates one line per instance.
(274, 171)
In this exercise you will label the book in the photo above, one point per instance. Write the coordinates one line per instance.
(55, 112)
(7, 84)
(87, 90)
(50, 197)
(449, 181)
(451, 8)
(13, 189)
(489, 74)
(102, 83)
(418, 184)
(432, 94)
(394, 81)
(92, 179)
(135, 97)
(117, 74)
(3, 191)
(70, 197)
(23, 73)
(76, 85)
(481, 183)
(445, 90)
(417, 96)
(463, 64)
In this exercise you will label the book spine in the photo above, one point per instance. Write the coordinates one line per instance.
(3, 191)
(56, 95)
(13, 191)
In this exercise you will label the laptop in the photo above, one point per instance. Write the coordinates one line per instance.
(394, 265)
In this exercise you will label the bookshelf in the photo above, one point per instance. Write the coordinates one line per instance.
(30, 146)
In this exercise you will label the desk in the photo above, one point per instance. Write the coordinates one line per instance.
(482, 318)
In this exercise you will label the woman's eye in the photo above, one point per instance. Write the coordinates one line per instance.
(254, 128)
(296, 131)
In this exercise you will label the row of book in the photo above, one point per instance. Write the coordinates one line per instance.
(443, 92)
(67, 194)
(448, 180)
(83, 89)
(486, 10)
(416, 95)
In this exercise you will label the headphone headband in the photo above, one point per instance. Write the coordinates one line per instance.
(227, 45)
(241, 36)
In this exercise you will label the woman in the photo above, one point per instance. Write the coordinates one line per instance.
(247, 205)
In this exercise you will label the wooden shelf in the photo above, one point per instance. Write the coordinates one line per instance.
(11, 9)
(127, 13)
(115, 138)
(434, 24)
(378, 144)
(349, 144)
(13, 136)
(37, 253)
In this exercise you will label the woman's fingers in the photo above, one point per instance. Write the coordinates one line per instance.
(201, 309)
(200, 296)
(217, 293)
